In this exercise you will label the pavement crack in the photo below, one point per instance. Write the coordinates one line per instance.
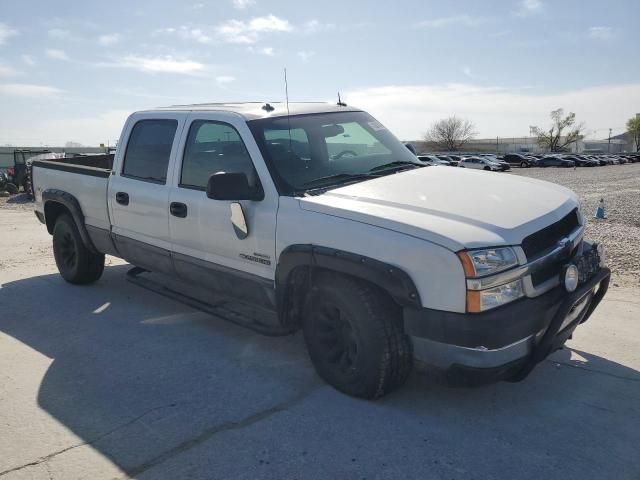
(580, 367)
(102, 436)
(212, 431)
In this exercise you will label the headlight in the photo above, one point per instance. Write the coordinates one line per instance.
(481, 300)
(479, 263)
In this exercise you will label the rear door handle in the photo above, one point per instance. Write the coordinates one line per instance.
(178, 209)
(122, 198)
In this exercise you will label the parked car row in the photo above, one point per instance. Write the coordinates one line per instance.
(483, 161)
(491, 162)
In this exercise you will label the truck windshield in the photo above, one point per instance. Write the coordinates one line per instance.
(323, 150)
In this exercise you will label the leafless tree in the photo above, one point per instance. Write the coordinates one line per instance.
(451, 133)
(557, 137)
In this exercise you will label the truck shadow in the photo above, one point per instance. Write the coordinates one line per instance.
(134, 374)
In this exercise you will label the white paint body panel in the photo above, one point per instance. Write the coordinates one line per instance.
(207, 232)
(435, 270)
(146, 218)
(452, 207)
(415, 220)
(91, 193)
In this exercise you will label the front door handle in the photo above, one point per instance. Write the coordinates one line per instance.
(178, 209)
(122, 198)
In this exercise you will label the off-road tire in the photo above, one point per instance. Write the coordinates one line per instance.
(11, 188)
(378, 357)
(75, 262)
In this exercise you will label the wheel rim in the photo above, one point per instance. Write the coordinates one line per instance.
(67, 249)
(336, 338)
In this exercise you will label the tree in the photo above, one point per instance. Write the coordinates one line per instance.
(451, 133)
(555, 139)
(633, 131)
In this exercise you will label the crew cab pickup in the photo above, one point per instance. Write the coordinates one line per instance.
(315, 217)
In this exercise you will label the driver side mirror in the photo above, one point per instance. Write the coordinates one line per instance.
(232, 186)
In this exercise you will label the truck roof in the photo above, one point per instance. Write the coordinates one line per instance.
(256, 110)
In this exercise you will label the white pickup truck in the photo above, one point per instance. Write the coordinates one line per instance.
(316, 217)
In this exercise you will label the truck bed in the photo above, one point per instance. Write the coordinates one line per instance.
(84, 177)
(78, 164)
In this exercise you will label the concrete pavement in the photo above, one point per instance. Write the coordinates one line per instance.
(111, 381)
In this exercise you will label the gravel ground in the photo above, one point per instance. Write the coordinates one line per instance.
(619, 186)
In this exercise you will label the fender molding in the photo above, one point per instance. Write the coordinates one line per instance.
(390, 278)
(70, 203)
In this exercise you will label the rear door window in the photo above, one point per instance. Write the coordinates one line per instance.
(149, 149)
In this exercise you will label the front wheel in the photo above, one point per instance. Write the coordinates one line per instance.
(487, 168)
(524, 165)
(354, 336)
(75, 262)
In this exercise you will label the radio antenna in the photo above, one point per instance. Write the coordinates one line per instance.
(286, 95)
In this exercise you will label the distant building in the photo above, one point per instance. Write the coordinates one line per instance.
(619, 143)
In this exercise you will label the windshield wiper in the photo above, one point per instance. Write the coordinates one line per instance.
(397, 165)
(337, 179)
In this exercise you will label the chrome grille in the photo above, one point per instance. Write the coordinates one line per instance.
(542, 240)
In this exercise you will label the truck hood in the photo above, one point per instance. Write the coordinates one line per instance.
(453, 207)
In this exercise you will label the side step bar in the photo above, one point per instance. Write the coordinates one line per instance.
(243, 315)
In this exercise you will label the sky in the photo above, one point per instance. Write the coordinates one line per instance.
(74, 70)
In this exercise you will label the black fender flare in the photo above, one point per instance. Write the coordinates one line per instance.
(73, 206)
(395, 281)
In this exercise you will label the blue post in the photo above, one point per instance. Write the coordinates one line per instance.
(600, 209)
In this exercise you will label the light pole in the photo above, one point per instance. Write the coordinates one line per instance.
(609, 146)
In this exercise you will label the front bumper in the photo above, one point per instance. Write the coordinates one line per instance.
(505, 343)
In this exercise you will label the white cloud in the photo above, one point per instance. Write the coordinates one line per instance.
(187, 33)
(248, 32)
(409, 110)
(7, 71)
(109, 39)
(166, 64)
(305, 56)
(529, 7)
(601, 33)
(242, 4)
(467, 72)
(59, 33)
(464, 20)
(314, 26)
(195, 34)
(28, 90)
(55, 54)
(28, 60)
(223, 80)
(268, 51)
(6, 32)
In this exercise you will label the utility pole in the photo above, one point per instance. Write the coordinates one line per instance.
(609, 147)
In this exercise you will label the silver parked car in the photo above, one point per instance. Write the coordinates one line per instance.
(480, 164)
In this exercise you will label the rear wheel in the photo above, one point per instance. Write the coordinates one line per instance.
(354, 337)
(11, 188)
(75, 262)
(524, 165)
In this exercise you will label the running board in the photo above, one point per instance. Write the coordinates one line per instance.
(243, 315)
